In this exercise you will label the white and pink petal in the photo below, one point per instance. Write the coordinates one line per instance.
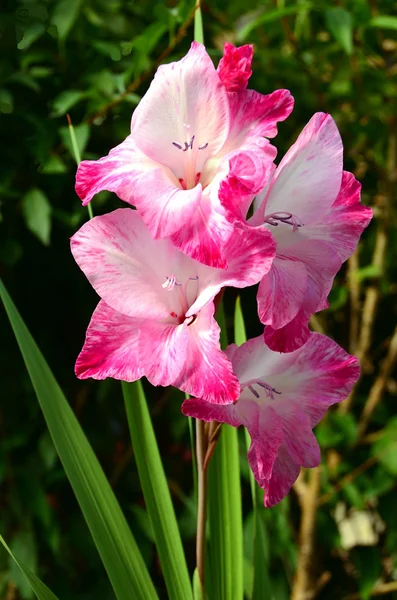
(111, 347)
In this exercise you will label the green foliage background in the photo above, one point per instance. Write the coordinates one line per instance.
(94, 60)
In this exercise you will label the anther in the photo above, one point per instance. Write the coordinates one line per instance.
(204, 146)
(269, 390)
(192, 320)
(251, 389)
(283, 217)
(170, 283)
(177, 145)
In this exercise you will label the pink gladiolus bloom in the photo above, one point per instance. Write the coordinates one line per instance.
(155, 317)
(234, 68)
(187, 134)
(283, 396)
(312, 207)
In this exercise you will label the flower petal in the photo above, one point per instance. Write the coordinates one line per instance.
(185, 99)
(345, 221)
(189, 357)
(249, 254)
(282, 291)
(111, 347)
(162, 350)
(309, 176)
(250, 167)
(318, 375)
(234, 68)
(255, 115)
(321, 263)
(204, 235)
(163, 205)
(285, 473)
(117, 172)
(125, 266)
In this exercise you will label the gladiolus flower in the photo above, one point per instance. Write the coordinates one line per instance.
(187, 134)
(155, 317)
(282, 397)
(312, 207)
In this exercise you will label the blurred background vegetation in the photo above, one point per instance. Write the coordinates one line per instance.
(335, 536)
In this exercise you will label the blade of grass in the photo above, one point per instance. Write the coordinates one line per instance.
(77, 156)
(40, 589)
(261, 580)
(120, 555)
(224, 509)
(198, 24)
(156, 493)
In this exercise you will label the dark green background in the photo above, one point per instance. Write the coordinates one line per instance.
(80, 57)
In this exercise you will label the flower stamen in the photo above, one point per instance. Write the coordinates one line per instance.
(283, 217)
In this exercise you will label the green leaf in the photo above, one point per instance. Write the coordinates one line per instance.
(23, 545)
(225, 521)
(40, 589)
(340, 24)
(262, 584)
(120, 555)
(225, 518)
(368, 564)
(6, 102)
(253, 20)
(261, 579)
(65, 101)
(32, 32)
(385, 448)
(156, 493)
(197, 588)
(37, 214)
(64, 16)
(384, 22)
(368, 272)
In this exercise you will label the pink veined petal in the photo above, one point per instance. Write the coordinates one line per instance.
(308, 178)
(234, 68)
(163, 205)
(208, 411)
(321, 263)
(255, 115)
(111, 347)
(203, 236)
(123, 263)
(345, 221)
(208, 372)
(249, 254)
(318, 375)
(162, 350)
(266, 435)
(250, 167)
(285, 473)
(298, 436)
(185, 99)
(291, 336)
(282, 291)
(117, 172)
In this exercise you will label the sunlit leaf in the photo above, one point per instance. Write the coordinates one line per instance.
(384, 22)
(112, 536)
(39, 588)
(64, 16)
(340, 24)
(37, 213)
(253, 20)
(156, 492)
